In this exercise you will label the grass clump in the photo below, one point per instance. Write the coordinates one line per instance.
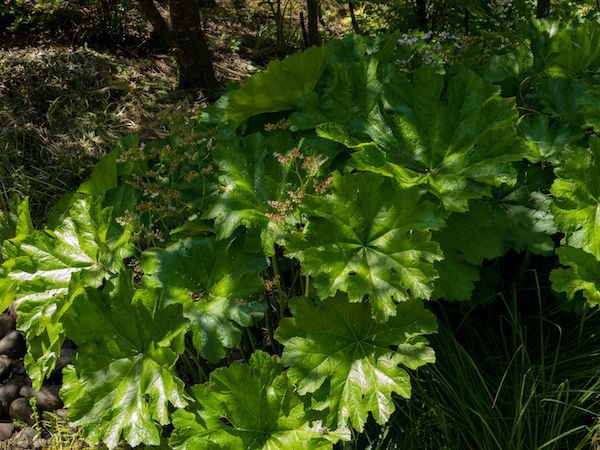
(520, 374)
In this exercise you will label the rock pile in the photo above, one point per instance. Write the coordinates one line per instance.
(16, 390)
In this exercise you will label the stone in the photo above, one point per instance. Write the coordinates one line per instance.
(7, 324)
(13, 345)
(6, 364)
(65, 358)
(12, 311)
(24, 439)
(20, 409)
(47, 398)
(8, 393)
(62, 412)
(26, 391)
(6, 431)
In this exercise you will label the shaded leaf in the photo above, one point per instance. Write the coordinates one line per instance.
(217, 283)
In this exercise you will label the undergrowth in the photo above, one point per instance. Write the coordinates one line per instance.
(62, 109)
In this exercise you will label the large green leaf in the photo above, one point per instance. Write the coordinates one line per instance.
(248, 407)
(508, 70)
(558, 97)
(216, 281)
(341, 112)
(351, 363)
(546, 138)
(581, 273)
(86, 248)
(590, 104)
(516, 217)
(456, 138)
(577, 198)
(123, 379)
(576, 50)
(279, 86)
(256, 180)
(369, 237)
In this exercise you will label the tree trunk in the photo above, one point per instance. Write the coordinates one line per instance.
(422, 19)
(194, 60)
(162, 26)
(543, 9)
(355, 26)
(303, 29)
(312, 7)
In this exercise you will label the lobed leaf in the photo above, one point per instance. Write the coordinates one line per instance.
(577, 199)
(217, 283)
(47, 267)
(251, 406)
(369, 238)
(350, 363)
(456, 139)
(123, 379)
(580, 274)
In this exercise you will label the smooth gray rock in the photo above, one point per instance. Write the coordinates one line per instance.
(26, 391)
(7, 324)
(6, 364)
(13, 345)
(47, 398)
(6, 431)
(20, 409)
(8, 393)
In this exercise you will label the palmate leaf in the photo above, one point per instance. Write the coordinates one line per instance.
(341, 112)
(351, 363)
(457, 139)
(279, 86)
(45, 266)
(577, 198)
(369, 238)
(590, 104)
(546, 138)
(251, 407)
(123, 379)
(252, 177)
(215, 281)
(580, 274)
(575, 50)
(516, 217)
(559, 98)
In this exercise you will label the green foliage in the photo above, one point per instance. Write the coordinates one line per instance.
(577, 196)
(369, 238)
(48, 267)
(252, 406)
(276, 256)
(456, 139)
(337, 353)
(279, 87)
(123, 381)
(581, 273)
(216, 282)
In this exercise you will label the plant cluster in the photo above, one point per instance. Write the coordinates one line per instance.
(282, 301)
